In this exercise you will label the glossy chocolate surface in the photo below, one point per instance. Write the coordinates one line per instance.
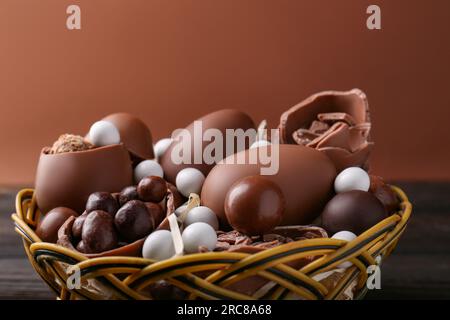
(254, 205)
(305, 177)
(152, 189)
(98, 233)
(103, 201)
(354, 211)
(133, 221)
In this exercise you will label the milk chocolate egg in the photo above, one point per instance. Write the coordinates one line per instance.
(220, 120)
(47, 229)
(134, 134)
(254, 205)
(305, 177)
(67, 179)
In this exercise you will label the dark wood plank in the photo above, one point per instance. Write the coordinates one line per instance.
(419, 268)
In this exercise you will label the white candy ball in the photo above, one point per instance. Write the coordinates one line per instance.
(103, 133)
(161, 146)
(180, 210)
(344, 235)
(353, 178)
(260, 143)
(197, 235)
(158, 246)
(202, 214)
(189, 180)
(147, 168)
(347, 236)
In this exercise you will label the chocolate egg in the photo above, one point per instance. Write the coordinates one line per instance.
(134, 134)
(354, 211)
(254, 205)
(47, 229)
(67, 179)
(305, 177)
(221, 120)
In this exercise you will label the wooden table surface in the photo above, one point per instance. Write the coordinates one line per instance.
(418, 269)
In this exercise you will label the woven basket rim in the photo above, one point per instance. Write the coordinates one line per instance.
(361, 252)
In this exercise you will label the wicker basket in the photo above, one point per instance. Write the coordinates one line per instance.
(211, 275)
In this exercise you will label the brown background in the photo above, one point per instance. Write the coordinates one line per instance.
(171, 61)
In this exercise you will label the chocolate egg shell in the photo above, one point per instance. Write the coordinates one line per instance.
(353, 102)
(354, 211)
(346, 144)
(47, 229)
(254, 205)
(67, 179)
(134, 134)
(305, 177)
(221, 120)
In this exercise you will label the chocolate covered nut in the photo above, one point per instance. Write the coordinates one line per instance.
(77, 226)
(332, 117)
(254, 205)
(133, 221)
(81, 246)
(48, 227)
(354, 211)
(152, 189)
(127, 194)
(156, 211)
(98, 233)
(103, 201)
(318, 127)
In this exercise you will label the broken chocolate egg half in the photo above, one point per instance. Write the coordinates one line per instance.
(336, 123)
(134, 134)
(67, 179)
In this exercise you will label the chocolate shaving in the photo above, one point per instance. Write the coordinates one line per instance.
(236, 241)
(304, 136)
(332, 117)
(318, 127)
